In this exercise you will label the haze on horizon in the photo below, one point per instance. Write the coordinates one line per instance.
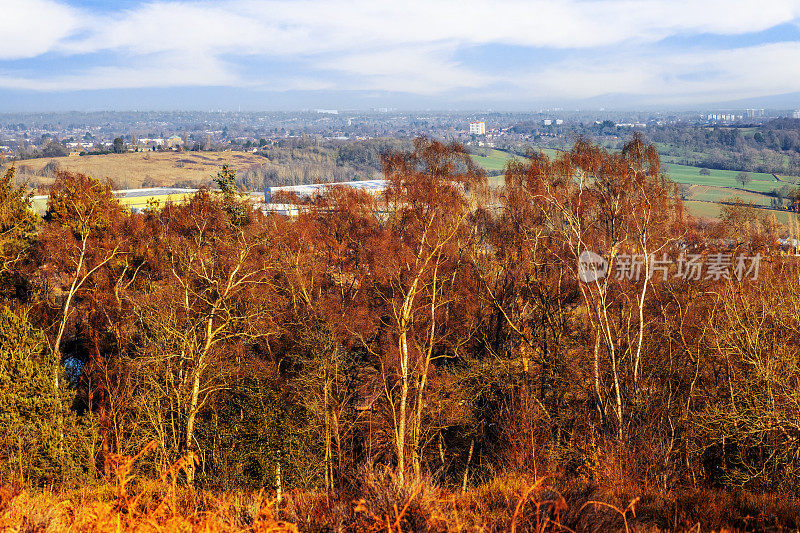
(286, 54)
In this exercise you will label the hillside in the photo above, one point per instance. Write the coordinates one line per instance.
(288, 162)
(141, 169)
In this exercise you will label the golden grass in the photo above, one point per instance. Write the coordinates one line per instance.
(382, 502)
(139, 505)
(509, 503)
(132, 169)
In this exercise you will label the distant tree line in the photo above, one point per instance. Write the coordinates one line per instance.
(772, 148)
(303, 160)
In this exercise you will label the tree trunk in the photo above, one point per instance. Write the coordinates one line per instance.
(424, 380)
(278, 484)
(338, 438)
(19, 461)
(400, 437)
(466, 468)
(641, 326)
(104, 437)
(190, 426)
(57, 349)
(328, 451)
(193, 402)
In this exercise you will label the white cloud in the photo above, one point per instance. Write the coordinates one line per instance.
(33, 27)
(670, 77)
(414, 69)
(286, 27)
(408, 47)
(164, 71)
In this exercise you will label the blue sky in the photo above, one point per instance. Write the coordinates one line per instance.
(293, 54)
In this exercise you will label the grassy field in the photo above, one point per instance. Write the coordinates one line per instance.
(760, 182)
(702, 193)
(137, 169)
(713, 210)
(496, 159)
(493, 160)
(710, 193)
(703, 209)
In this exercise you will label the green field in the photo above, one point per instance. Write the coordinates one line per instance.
(701, 192)
(708, 193)
(760, 182)
(703, 209)
(712, 210)
(494, 160)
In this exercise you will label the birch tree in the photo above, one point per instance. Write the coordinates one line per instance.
(207, 291)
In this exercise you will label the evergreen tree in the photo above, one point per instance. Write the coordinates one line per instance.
(29, 404)
(17, 220)
(226, 181)
(236, 208)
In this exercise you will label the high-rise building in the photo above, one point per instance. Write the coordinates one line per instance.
(477, 128)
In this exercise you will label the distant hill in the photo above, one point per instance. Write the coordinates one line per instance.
(141, 169)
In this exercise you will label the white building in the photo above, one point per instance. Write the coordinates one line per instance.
(477, 128)
(309, 191)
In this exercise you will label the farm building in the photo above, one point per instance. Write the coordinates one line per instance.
(286, 206)
(307, 192)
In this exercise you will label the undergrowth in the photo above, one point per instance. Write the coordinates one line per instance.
(380, 501)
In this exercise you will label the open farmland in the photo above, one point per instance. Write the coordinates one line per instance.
(709, 193)
(703, 209)
(141, 169)
(497, 159)
(702, 193)
(760, 182)
(492, 160)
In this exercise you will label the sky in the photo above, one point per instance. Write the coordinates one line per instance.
(431, 54)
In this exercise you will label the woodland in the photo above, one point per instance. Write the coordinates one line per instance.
(426, 359)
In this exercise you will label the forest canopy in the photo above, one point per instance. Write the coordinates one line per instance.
(441, 331)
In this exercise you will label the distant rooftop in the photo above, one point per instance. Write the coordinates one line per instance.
(151, 191)
(310, 190)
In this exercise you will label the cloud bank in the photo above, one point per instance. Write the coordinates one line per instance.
(678, 51)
